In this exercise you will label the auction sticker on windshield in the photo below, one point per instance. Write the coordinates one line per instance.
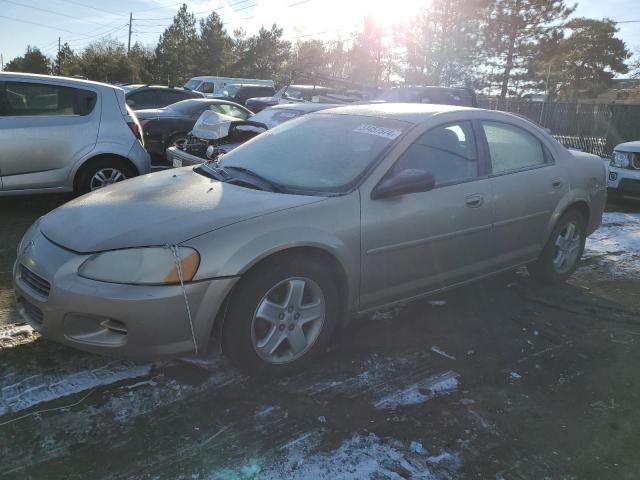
(390, 133)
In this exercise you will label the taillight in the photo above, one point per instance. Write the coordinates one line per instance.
(135, 128)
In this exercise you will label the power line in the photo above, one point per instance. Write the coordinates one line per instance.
(92, 7)
(52, 12)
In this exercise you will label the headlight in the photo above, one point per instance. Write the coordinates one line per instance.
(141, 266)
(621, 160)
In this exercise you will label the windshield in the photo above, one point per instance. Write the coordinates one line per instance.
(275, 116)
(192, 84)
(317, 152)
(231, 90)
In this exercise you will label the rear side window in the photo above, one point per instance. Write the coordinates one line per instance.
(512, 148)
(144, 99)
(29, 99)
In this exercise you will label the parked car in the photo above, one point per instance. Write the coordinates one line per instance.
(624, 171)
(169, 126)
(334, 214)
(425, 94)
(215, 135)
(300, 94)
(157, 96)
(213, 86)
(240, 93)
(61, 135)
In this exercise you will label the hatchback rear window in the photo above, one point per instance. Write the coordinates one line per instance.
(29, 99)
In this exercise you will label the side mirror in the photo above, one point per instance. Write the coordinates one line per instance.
(407, 181)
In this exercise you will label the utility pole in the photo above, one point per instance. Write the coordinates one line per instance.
(130, 21)
(58, 72)
(1, 63)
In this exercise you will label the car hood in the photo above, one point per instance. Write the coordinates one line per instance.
(162, 208)
(633, 147)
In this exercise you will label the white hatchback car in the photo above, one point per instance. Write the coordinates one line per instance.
(624, 171)
(63, 134)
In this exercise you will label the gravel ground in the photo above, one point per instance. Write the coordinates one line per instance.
(502, 379)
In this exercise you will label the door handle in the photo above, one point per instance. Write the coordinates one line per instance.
(474, 201)
(556, 183)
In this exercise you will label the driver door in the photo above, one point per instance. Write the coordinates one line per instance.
(424, 241)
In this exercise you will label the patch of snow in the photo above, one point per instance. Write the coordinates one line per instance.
(359, 457)
(15, 331)
(45, 387)
(416, 393)
(617, 241)
(439, 351)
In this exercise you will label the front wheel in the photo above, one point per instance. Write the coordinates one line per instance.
(561, 255)
(281, 317)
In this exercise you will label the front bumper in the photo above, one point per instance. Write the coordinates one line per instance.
(624, 182)
(179, 158)
(131, 321)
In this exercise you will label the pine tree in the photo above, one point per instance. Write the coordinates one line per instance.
(175, 52)
(33, 61)
(214, 55)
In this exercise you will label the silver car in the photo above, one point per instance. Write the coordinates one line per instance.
(62, 135)
(327, 216)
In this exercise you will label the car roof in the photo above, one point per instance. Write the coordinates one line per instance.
(247, 85)
(69, 80)
(309, 87)
(407, 112)
(157, 87)
(209, 101)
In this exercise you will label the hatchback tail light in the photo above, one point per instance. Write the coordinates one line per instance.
(135, 128)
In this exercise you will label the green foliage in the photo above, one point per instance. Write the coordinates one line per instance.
(512, 33)
(175, 53)
(67, 62)
(106, 60)
(214, 54)
(263, 55)
(33, 61)
(583, 64)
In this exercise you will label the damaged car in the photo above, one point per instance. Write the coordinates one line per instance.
(215, 134)
(325, 217)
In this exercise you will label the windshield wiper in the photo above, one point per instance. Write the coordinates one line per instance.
(271, 184)
(209, 170)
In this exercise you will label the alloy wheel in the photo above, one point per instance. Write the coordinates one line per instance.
(288, 320)
(567, 248)
(106, 176)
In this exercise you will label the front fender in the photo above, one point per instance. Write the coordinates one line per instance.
(331, 226)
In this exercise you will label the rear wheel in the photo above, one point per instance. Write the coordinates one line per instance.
(562, 253)
(101, 173)
(281, 317)
(176, 141)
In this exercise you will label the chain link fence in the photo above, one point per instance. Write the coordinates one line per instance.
(594, 128)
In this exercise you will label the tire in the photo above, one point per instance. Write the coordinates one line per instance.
(113, 170)
(550, 267)
(174, 140)
(274, 347)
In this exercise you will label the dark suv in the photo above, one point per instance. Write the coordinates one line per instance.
(156, 96)
(425, 94)
(241, 93)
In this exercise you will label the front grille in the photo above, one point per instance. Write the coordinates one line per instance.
(31, 311)
(35, 281)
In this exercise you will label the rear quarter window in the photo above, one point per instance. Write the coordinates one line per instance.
(40, 99)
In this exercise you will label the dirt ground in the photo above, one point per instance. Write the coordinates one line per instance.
(500, 380)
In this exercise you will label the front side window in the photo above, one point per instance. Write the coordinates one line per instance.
(27, 99)
(447, 152)
(206, 87)
(145, 99)
(318, 152)
(512, 148)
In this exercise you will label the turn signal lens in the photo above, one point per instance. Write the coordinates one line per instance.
(189, 265)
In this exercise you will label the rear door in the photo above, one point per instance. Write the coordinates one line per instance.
(527, 186)
(424, 241)
(44, 129)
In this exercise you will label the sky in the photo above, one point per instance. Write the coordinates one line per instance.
(79, 22)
